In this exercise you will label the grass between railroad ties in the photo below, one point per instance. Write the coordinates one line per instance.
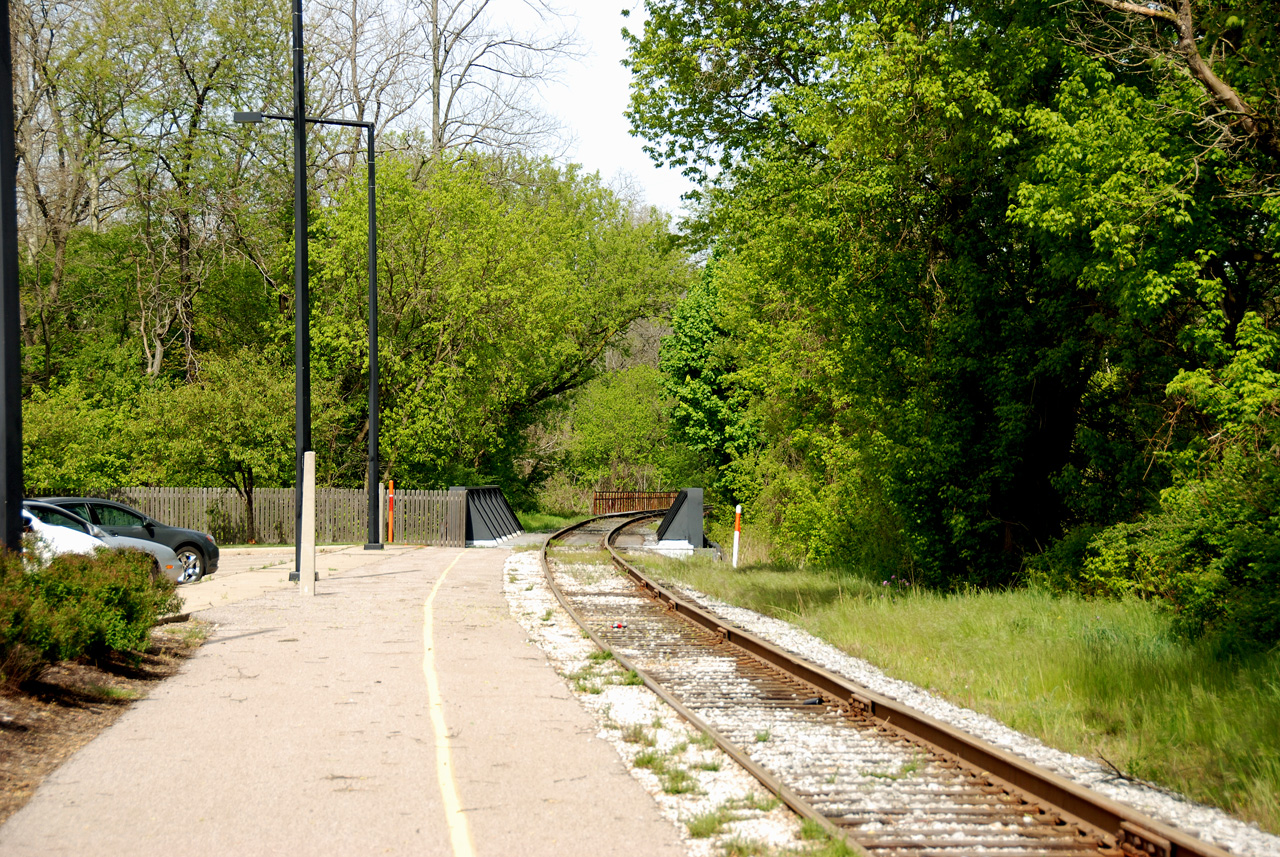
(1103, 679)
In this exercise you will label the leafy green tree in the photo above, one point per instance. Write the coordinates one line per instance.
(501, 286)
(234, 427)
(618, 436)
(1227, 49)
(79, 441)
(877, 321)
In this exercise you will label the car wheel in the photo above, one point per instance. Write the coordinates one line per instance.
(192, 562)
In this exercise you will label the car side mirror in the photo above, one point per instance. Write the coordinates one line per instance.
(96, 531)
(150, 527)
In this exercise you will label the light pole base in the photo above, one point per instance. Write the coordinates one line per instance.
(293, 576)
(373, 546)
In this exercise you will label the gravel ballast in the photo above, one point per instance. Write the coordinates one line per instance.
(620, 708)
(644, 728)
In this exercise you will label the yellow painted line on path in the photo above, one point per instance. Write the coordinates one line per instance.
(459, 830)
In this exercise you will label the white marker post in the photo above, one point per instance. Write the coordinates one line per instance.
(307, 573)
(737, 532)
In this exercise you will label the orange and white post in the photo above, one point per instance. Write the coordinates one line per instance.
(737, 532)
(391, 512)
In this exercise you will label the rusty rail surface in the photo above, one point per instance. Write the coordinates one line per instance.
(1118, 828)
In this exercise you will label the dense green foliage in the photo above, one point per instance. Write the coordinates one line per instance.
(983, 286)
(78, 605)
(503, 284)
(500, 294)
(156, 272)
(615, 434)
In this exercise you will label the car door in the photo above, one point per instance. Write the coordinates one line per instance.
(120, 522)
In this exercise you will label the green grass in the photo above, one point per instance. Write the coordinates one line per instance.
(745, 848)
(812, 831)
(191, 632)
(587, 680)
(637, 734)
(542, 522)
(755, 802)
(713, 822)
(678, 781)
(708, 824)
(651, 759)
(1104, 679)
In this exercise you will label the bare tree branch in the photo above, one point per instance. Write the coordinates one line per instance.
(1254, 126)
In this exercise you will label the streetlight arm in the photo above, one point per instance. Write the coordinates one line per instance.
(350, 123)
(255, 117)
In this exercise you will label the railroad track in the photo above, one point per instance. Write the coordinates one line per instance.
(888, 779)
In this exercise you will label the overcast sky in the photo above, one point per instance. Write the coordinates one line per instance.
(591, 96)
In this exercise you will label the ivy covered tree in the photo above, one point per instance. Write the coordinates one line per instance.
(706, 415)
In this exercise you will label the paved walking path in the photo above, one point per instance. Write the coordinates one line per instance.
(399, 711)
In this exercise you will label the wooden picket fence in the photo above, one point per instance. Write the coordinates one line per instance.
(604, 502)
(431, 517)
(421, 517)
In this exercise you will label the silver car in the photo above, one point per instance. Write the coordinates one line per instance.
(166, 560)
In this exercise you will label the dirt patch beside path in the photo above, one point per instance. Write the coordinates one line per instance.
(47, 719)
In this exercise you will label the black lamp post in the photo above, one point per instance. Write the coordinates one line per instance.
(375, 532)
(10, 353)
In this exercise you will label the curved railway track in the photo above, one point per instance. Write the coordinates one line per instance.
(888, 779)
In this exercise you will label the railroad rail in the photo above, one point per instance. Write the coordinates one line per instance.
(888, 779)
